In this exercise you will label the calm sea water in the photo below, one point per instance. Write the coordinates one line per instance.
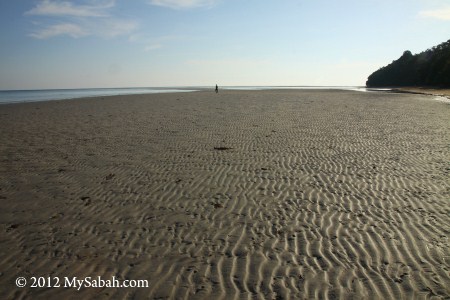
(44, 95)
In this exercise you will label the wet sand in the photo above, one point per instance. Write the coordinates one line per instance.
(239, 195)
(424, 91)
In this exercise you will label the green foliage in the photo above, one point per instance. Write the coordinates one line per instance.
(429, 68)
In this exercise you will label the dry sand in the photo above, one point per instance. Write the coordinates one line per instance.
(239, 195)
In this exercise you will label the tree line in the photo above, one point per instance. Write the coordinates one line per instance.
(428, 68)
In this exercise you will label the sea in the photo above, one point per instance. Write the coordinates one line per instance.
(18, 96)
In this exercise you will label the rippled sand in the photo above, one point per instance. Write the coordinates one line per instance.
(239, 195)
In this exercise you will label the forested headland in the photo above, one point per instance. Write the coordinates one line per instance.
(430, 68)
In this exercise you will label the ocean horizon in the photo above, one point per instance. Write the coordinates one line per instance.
(20, 96)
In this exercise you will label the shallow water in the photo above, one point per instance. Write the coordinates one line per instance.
(15, 96)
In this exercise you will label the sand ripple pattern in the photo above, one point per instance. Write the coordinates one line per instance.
(240, 195)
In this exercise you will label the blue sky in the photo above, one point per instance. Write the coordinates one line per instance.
(136, 43)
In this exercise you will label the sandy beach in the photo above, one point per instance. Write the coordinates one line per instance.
(278, 194)
(425, 91)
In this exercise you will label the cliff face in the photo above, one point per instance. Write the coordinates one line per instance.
(429, 68)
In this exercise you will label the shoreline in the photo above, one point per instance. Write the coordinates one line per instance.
(440, 92)
(28, 96)
(241, 194)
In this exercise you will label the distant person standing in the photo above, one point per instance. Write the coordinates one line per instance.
(217, 89)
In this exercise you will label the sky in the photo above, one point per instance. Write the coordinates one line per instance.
(50, 44)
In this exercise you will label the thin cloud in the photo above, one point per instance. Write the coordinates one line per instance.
(74, 20)
(68, 29)
(65, 8)
(105, 28)
(440, 14)
(152, 47)
(113, 27)
(183, 4)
